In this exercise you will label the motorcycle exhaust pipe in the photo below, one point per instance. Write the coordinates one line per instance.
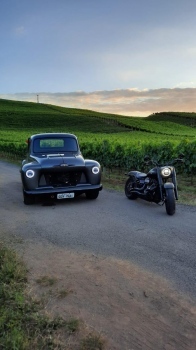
(138, 193)
(141, 195)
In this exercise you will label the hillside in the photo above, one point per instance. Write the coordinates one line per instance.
(113, 140)
(187, 119)
(17, 115)
(35, 117)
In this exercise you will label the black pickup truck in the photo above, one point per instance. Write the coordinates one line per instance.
(55, 169)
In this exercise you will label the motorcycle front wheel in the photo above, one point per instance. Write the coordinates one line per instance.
(128, 186)
(170, 203)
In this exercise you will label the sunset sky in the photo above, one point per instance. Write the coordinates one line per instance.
(131, 57)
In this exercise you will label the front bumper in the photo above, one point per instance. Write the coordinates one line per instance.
(78, 189)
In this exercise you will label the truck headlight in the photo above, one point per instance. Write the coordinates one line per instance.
(165, 172)
(95, 170)
(30, 173)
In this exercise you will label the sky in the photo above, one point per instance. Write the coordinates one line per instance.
(130, 57)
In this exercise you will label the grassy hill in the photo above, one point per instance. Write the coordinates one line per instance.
(187, 119)
(16, 115)
(113, 140)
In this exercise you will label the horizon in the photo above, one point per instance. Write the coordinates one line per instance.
(130, 102)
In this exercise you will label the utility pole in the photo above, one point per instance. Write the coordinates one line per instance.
(37, 98)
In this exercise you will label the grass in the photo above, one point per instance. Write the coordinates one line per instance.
(187, 189)
(63, 293)
(113, 140)
(24, 118)
(92, 342)
(23, 324)
(46, 281)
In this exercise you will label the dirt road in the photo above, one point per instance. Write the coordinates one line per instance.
(129, 268)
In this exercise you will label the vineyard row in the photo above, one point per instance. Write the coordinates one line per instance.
(114, 155)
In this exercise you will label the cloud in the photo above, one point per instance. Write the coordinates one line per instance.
(186, 84)
(130, 102)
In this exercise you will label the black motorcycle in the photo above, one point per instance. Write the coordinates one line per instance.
(159, 185)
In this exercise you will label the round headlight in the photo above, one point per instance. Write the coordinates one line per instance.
(166, 172)
(95, 170)
(30, 173)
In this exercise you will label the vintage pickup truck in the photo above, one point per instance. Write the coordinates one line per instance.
(55, 169)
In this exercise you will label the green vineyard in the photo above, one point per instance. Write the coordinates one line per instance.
(115, 141)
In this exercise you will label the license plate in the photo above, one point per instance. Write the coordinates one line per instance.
(65, 195)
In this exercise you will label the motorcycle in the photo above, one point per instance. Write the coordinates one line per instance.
(159, 185)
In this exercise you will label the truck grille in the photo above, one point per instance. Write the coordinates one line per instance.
(63, 179)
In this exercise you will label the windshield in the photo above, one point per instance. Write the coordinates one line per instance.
(55, 145)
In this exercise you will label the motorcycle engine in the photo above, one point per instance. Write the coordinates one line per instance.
(152, 185)
(153, 191)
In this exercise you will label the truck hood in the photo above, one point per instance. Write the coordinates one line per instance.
(62, 161)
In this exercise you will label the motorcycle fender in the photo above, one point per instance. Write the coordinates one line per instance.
(132, 173)
(169, 185)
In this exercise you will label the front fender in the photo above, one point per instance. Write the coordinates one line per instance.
(132, 173)
(168, 185)
(94, 179)
(32, 183)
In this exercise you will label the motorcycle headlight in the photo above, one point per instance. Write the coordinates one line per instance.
(95, 170)
(165, 172)
(30, 173)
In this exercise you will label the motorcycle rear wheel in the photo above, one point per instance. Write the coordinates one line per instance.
(128, 186)
(170, 203)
